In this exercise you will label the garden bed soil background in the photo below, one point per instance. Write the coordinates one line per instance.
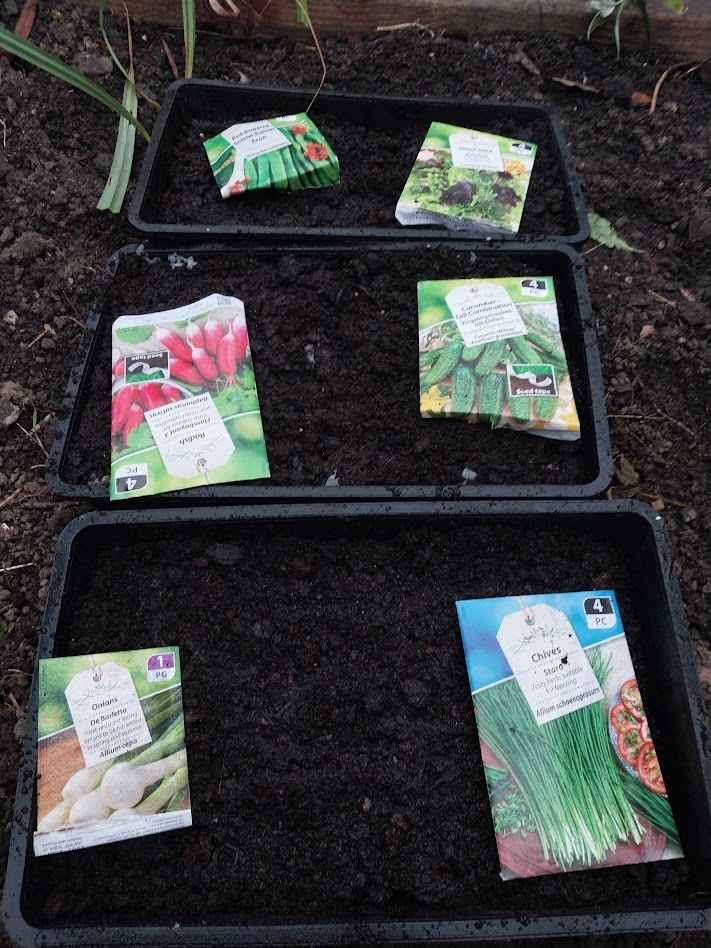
(649, 174)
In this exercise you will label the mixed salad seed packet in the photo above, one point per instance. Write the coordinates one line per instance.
(572, 773)
(468, 180)
(184, 405)
(111, 759)
(286, 153)
(491, 351)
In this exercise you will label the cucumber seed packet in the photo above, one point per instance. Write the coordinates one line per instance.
(571, 769)
(491, 351)
(286, 153)
(111, 758)
(468, 180)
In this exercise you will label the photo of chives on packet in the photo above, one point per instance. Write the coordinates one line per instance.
(287, 153)
(468, 180)
(111, 758)
(571, 770)
(184, 406)
(491, 351)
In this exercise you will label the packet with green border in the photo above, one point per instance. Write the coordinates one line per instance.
(491, 351)
(184, 405)
(468, 180)
(287, 153)
(111, 757)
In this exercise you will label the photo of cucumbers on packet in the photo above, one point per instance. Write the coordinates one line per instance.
(287, 153)
(491, 351)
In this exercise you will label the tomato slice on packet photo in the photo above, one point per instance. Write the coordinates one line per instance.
(631, 698)
(649, 770)
(621, 719)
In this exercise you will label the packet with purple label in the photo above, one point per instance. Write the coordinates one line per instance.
(111, 757)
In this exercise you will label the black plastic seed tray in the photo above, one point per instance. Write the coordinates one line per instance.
(353, 305)
(366, 688)
(377, 139)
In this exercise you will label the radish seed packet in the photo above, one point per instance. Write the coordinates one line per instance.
(468, 180)
(491, 351)
(571, 768)
(184, 405)
(111, 757)
(286, 153)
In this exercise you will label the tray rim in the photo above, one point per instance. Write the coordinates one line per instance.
(685, 918)
(246, 493)
(228, 232)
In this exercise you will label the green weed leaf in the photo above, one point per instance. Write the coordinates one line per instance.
(189, 36)
(120, 172)
(603, 232)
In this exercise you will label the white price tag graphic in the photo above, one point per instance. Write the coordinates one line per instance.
(251, 140)
(548, 662)
(107, 714)
(473, 150)
(484, 312)
(191, 437)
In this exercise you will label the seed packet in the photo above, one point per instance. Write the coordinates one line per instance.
(287, 153)
(111, 758)
(184, 406)
(491, 351)
(468, 180)
(573, 777)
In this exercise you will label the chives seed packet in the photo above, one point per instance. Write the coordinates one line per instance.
(111, 758)
(287, 153)
(468, 180)
(184, 405)
(572, 774)
(491, 351)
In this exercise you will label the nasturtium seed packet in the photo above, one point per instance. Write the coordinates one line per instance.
(286, 153)
(184, 405)
(111, 757)
(468, 180)
(491, 351)
(571, 769)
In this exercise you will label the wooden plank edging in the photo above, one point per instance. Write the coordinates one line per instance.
(688, 35)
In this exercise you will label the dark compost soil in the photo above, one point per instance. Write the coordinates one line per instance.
(356, 409)
(649, 174)
(375, 163)
(335, 770)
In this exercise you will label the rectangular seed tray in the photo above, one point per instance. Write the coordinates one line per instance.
(376, 138)
(337, 787)
(356, 410)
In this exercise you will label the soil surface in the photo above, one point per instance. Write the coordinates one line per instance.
(349, 412)
(347, 779)
(648, 174)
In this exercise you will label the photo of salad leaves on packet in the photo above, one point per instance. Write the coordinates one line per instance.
(468, 180)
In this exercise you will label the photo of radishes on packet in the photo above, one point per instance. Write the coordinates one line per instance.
(184, 405)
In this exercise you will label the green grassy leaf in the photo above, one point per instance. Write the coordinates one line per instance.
(117, 61)
(120, 172)
(302, 10)
(189, 36)
(676, 6)
(603, 232)
(55, 67)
